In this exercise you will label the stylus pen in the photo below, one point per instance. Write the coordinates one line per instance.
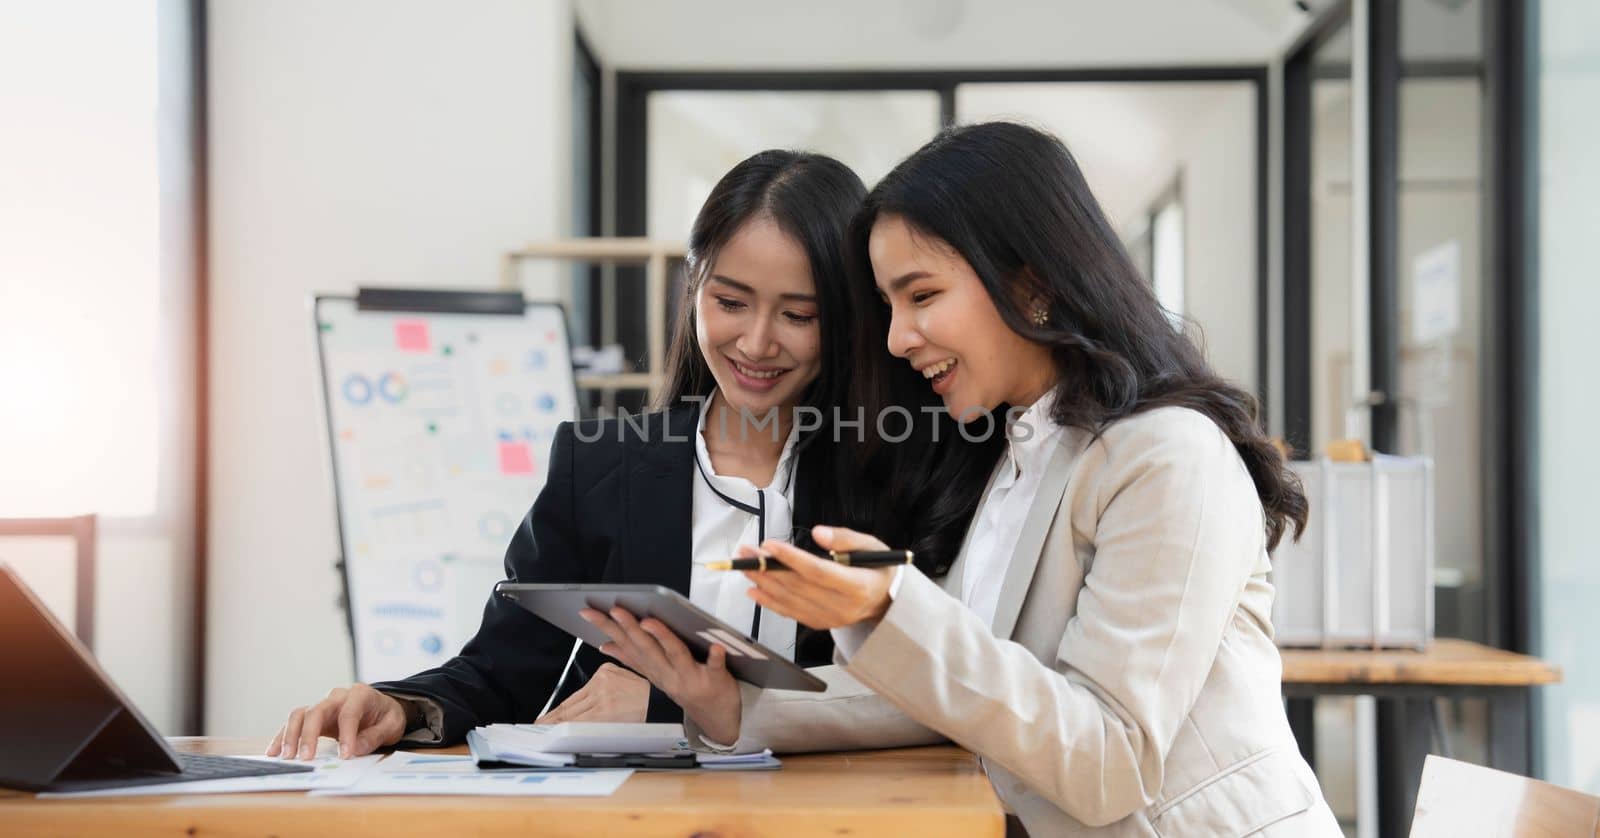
(853, 558)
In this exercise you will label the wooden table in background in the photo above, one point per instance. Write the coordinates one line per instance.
(927, 792)
(1406, 682)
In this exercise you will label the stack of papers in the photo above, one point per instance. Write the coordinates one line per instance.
(556, 747)
(586, 738)
(740, 762)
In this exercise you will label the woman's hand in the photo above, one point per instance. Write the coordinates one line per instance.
(362, 719)
(706, 691)
(613, 695)
(821, 593)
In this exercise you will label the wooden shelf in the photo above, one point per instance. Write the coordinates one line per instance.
(654, 255)
(619, 381)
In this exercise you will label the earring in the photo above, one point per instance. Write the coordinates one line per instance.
(1040, 315)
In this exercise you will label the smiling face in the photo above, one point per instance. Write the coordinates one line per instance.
(944, 323)
(756, 319)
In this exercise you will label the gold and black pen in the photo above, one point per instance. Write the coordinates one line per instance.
(853, 558)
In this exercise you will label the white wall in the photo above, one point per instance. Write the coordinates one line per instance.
(1131, 140)
(1218, 161)
(697, 136)
(364, 142)
(745, 34)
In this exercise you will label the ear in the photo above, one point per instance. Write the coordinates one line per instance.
(1030, 294)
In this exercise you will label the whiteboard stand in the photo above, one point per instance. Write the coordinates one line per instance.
(441, 410)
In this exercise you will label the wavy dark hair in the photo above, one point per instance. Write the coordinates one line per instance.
(1012, 202)
(812, 198)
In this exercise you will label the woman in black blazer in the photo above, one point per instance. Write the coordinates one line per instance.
(764, 332)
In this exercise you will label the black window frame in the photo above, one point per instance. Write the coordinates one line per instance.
(633, 90)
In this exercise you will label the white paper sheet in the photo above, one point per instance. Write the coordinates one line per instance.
(409, 773)
(327, 773)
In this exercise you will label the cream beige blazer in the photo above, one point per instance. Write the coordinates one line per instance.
(1129, 684)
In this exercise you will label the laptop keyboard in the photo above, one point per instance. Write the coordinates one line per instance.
(211, 767)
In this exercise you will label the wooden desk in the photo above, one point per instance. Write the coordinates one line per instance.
(927, 792)
(1406, 683)
(1462, 799)
(1447, 661)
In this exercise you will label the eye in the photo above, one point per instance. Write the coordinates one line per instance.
(729, 304)
(920, 297)
(800, 319)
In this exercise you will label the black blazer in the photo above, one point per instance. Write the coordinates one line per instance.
(616, 507)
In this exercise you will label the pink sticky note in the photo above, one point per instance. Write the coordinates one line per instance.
(411, 335)
(515, 458)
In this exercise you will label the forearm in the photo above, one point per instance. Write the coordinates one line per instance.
(846, 716)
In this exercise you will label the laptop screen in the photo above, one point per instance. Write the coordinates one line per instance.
(54, 693)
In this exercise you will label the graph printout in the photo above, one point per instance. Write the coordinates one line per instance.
(440, 426)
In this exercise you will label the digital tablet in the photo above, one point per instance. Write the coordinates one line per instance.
(747, 660)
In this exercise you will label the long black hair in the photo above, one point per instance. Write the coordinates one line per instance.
(812, 198)
(1012, 201)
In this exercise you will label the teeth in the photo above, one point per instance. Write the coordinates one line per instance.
(933, 370)
(746, 371)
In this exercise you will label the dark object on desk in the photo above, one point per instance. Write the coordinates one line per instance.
(66, 727)
(748, 660)
(635, 761)
(852, 558)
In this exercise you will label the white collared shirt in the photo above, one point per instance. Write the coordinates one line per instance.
(997, 525)
(719, 528)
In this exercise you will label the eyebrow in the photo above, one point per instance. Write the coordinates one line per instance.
(902, 281)
(740, 286)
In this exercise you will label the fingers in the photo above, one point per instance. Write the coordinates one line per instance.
(801, 589)
(291, 733)
(794, 607)
(821, 571)
(840, 538)
(276, 744)
(349, 722)
(569, 709)
(717, 659)
(676, 652)
(311, 729)
(605, 624)
(645, 648)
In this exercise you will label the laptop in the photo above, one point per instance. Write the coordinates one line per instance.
(64, 726)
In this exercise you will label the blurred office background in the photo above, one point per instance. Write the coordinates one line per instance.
(178, 176)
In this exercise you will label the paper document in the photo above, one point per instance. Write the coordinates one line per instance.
(586, 738)
(746, 762)
(327, 773)
(410, 773)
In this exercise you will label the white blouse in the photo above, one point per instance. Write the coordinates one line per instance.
(997, 525)
(719, 527)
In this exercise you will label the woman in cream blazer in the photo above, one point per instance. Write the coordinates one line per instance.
(1103, 642)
